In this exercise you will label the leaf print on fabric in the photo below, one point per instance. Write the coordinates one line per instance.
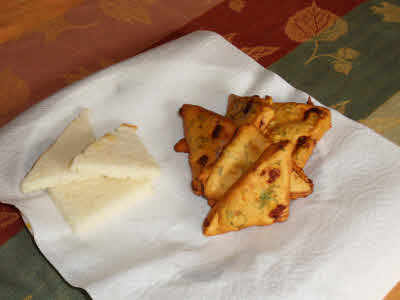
(311, 22)
(333, 32)
(390, 12)
(237, 5)
(317, 25)
(259, 52)
(347, 53)
(341, 106)
(55, 27)
(343, 56)
(129, 11)
(342, 67)
(8, 218)
(230, 36)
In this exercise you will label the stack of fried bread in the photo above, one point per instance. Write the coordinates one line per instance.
(249, 163)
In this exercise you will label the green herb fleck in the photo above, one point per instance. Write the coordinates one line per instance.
(266, 196)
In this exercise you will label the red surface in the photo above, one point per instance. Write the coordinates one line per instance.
(259, 23)
(10, 222)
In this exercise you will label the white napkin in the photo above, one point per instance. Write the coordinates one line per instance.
(342, 242)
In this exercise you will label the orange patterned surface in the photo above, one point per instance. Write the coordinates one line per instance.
(46, 45)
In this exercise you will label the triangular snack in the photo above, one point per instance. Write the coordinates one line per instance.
(283, 113)
(321, 117)
(250, 110)
(303, 150)
(206, 134)
(292, 113)
(119, 154)
(306, 132)
(238, 156)
(298, 131)
(324, 121)
(52, 167)
(300, 184)
(91, 203)
(260, 197)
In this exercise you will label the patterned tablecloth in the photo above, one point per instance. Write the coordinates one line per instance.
(345, 53)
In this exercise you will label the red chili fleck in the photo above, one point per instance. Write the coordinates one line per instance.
(277, 211)
(273, 175)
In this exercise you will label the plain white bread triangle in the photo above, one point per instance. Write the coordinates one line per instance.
(53, 166)
(89, 204)
(119, 154)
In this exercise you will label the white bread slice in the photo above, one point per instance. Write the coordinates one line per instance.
(91, 203)
(52, 167)
(119, 154)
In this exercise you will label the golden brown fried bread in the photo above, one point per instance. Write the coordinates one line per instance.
(260, 197)
(306, 132)
(206, 134)
(296, 112)
(293, 130)
(181, 146)
(303, 150)
(323, 121)
(245, 148)
(300, 184)
(250, 110)
(305, 144)
(288, 112)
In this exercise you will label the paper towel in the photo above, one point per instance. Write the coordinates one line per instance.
(341, 242)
